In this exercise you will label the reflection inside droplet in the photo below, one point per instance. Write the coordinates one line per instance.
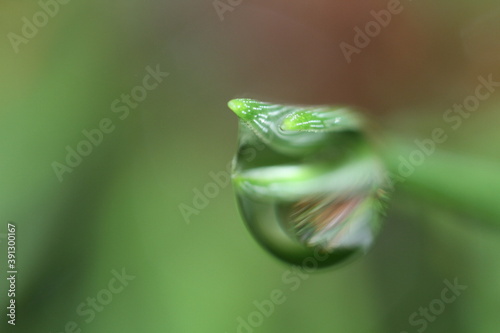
(321, 203)
(294, 225)
(330, 222)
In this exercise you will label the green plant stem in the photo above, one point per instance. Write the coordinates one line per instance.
(462, 183)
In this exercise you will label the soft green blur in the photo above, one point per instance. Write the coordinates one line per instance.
(134, 202)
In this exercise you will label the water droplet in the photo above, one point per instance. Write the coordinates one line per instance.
(309, 186)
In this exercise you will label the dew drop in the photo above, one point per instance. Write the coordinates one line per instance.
(310, 188)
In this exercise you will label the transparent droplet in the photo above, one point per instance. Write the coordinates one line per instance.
(309, 186)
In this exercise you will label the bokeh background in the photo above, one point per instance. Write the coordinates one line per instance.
(120, 207)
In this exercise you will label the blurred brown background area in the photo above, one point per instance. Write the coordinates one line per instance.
(292, 50)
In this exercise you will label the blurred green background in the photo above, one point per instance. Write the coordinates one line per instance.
(119, 208)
